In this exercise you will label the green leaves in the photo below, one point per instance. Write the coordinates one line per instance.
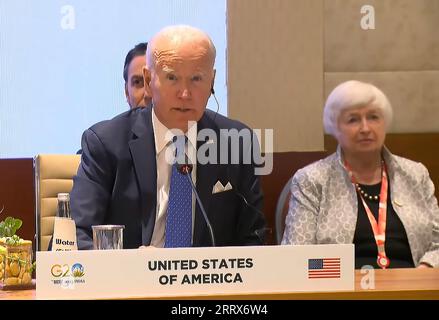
(13, 240)
(9, 227)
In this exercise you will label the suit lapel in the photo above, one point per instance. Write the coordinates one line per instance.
(142, 148)
(207, 176)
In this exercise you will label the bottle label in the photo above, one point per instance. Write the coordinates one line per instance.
(64, 235)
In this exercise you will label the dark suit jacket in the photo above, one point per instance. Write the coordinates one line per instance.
(116, 183)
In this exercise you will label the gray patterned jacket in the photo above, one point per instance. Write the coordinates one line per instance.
(323, 206)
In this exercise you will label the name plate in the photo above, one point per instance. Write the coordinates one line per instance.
(179, 272)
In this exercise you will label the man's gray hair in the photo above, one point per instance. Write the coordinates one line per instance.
(177, 34)
(354, 94)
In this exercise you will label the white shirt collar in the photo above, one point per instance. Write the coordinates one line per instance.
(160, 133)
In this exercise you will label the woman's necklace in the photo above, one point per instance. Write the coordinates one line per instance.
(365, 194)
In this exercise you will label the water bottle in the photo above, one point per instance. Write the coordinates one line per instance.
(64, 205)
(64, 227)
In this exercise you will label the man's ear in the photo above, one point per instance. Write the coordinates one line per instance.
(126, 93)
(147, 80)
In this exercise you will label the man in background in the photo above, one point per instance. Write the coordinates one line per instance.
(135, 92)
(133, 75)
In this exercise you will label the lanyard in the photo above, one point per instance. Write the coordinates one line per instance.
(379, 229)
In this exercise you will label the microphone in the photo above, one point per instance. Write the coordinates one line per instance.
(186, 169)
(212, 90)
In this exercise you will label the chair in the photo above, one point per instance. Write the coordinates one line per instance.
(282, 210)
(53, 174)
(288, 165)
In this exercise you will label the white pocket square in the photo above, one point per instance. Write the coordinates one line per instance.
(218, 187)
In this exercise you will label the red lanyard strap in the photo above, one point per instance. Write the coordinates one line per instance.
(379, 229)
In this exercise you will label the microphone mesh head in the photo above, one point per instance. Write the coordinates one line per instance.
(185, 168)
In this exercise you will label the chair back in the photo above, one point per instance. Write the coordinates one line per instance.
(282, 210)
(289, 164)
(53, 174)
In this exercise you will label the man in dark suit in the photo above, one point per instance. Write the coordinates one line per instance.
(125, 171)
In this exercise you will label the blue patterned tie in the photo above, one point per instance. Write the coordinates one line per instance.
(178, 232)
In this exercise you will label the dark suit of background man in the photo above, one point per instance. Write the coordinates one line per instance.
(123, 177)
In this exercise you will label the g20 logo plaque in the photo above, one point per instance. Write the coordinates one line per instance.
(62, 271)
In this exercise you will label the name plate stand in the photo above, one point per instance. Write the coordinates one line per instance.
(143, 273)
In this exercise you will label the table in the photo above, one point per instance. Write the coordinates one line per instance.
(389, 284)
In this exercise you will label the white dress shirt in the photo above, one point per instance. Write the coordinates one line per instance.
(164, 156)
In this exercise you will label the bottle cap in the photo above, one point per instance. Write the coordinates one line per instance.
(63, 197)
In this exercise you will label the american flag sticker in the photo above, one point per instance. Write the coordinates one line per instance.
(323, 268)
